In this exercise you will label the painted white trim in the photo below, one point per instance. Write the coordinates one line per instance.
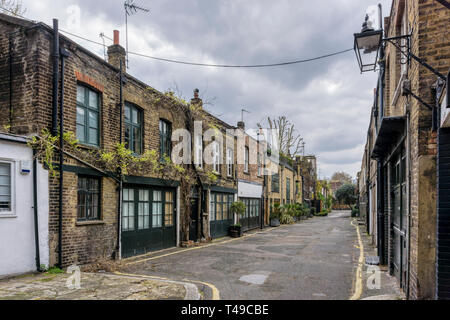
(12, 173)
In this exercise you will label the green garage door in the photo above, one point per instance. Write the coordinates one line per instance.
(219, 216)
(148, 220)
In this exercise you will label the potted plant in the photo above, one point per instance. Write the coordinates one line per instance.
(237, 208)
(275, 215)
(236, 230)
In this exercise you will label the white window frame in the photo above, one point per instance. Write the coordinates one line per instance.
(216, 157)
(229, 162)
(246, 159)
(12, 168)
(199, 151)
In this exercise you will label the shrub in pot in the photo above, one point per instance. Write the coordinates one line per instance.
(235, 230)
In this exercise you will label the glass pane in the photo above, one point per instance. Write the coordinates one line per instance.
(5, 180)
(93, 100)
(93, 136)
(80, 115)
(125, 210)
(125, 194)
(156, 195)
(81, 212)
(80, 94)
(125, 223)
(127, 113)
(93, 119)
(137, 140)
(143, 195)
(80, 133)
(127, 136)
(134, 116)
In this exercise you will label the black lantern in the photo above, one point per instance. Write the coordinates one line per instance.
(367, 44)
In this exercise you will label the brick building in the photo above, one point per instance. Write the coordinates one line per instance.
(250, 176)
(153, 214)
(403, 143)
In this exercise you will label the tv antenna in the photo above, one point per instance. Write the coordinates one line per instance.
(242, 114)
(103, 36)
(130, 9)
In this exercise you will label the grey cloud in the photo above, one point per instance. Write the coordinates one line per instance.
(251, 32)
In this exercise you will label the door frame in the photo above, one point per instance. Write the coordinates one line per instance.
(150, 232)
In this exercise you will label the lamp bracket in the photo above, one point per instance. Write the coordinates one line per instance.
(408, 54)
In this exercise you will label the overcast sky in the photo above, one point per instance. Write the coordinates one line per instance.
(329, 101)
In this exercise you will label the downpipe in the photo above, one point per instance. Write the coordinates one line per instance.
(64, 54)
(36, 214)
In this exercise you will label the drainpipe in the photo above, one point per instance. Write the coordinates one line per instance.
(119, 210)
(55, 56)
(10, 82)
(35, 209)
(64, 54)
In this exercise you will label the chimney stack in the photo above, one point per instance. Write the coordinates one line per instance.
(241, 125)
(116, 53)
(196, 100)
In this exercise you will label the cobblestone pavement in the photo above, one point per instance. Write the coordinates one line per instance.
(93, 286)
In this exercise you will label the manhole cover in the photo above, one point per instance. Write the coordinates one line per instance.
(254, 278)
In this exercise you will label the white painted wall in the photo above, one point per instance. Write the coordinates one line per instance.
(17, 235)
(249, 190)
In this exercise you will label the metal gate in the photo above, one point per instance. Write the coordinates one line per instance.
(148, 220)
(252, 216)
(443, 217)
(398, 218)
(219, 215)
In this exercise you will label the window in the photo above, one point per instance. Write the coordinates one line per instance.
(88, 198)
(216, 157)
(143, 209)
(198, 151)
(288, 190)
(275, 182)
(5, 187)
(168, 210)
(128, 210)
(219, 206)
(246, 160)
(88, 103)
(133, 128)
(157, 209)
(165, 136)
(230, 162)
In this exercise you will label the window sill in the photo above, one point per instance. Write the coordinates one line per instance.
(8, 215)
(89, 223)
(88, 146)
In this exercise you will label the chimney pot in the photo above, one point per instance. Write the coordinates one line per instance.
(116, 36)
(241, 125)
(196, 93)
(196, 100)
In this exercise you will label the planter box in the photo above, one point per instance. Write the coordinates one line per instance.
(274, 222)
(235, 232)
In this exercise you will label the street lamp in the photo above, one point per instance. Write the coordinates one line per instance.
(369, 44)
(366, 46)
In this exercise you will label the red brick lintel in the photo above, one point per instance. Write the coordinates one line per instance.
(88, 80)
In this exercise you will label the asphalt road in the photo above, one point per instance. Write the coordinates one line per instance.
(313, 259)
